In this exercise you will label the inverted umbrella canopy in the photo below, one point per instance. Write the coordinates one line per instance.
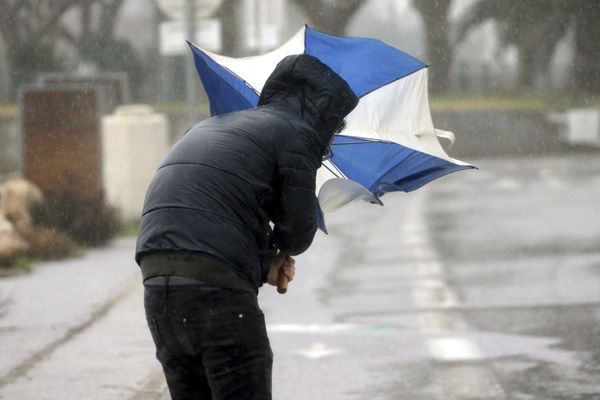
(389, 143)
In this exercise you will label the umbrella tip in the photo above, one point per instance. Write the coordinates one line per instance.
(377, 200)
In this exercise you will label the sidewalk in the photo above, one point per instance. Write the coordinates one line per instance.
(67, 312)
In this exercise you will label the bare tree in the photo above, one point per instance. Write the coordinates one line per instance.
(96, 24)
(27, 28)
(96, 42)
(586, 73)
(329, 16)
(535, 28)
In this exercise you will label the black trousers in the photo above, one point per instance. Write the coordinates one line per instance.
(212, 342)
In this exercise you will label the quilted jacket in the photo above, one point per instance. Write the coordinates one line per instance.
(241, 186)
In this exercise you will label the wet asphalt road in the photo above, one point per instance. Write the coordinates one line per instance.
(521, 241)
(484, 285)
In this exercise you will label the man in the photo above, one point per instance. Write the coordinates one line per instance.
(206, 244)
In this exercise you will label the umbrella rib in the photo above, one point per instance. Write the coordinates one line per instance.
(337, 169)
(333, 172)
(362, 140)
(360, 137)
(342, 144)
(393, 80)
(228, 70)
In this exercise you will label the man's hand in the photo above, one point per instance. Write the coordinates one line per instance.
(284, 263)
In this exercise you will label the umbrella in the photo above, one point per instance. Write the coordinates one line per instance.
(389, 143)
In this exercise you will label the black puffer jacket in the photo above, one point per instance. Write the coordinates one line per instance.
(230, 175)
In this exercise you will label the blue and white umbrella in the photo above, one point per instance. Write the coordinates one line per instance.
(389, 143)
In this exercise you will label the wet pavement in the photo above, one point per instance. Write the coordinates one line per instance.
(483, 285)
(536, 274)
(75, 329)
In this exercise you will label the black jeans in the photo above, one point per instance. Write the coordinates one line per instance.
(212, 342)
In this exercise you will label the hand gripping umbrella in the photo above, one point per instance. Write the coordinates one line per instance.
(389, 143)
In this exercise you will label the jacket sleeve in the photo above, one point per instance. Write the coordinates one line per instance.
(295, 217)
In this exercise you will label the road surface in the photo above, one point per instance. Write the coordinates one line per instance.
(483, 285)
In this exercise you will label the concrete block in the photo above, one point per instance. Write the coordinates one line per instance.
(135, 139)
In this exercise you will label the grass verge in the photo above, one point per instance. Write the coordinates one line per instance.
(129, 229)
(19, 266)
(507, 102)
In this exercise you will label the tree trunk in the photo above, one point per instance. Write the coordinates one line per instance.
(327, 16)
(439, 52)
(109, 17)
(86, 36)
(10, 67)
(229, 27)
(587, 48)
(11, 39)
(527, 69)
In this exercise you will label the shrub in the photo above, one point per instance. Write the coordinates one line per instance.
(12, 247)
(88, 220)
(8, 260)
(49, 244)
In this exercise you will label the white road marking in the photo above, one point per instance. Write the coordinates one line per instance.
(311, 328)
(319, 350)
(454, 349)
(549, 178)
(432, 290)
(507, 184)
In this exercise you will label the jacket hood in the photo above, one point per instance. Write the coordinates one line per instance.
(311, 89)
